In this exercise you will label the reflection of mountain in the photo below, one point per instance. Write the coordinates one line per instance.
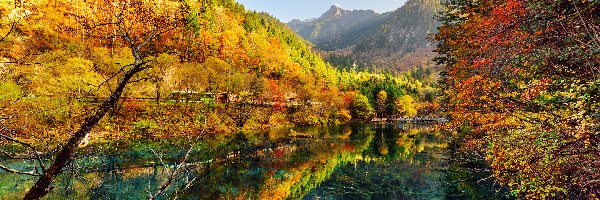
(396, 40)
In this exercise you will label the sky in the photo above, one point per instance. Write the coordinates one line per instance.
(286, 10)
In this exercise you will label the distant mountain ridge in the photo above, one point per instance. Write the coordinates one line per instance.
(331, 30)
(394, 40)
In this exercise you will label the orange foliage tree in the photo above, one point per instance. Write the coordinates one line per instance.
(521, 79)
(145, 27)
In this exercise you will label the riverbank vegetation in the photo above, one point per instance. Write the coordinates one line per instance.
(521, 84)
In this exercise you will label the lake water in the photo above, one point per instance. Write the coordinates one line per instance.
(392, 161)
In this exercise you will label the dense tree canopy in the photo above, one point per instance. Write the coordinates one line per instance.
(521, 78)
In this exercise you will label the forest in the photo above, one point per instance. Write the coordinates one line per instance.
(246, 64)
(520, 82)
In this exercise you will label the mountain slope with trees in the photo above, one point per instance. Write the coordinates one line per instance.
(395, 40)
(338, 28)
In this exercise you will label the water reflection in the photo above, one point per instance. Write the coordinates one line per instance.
(405, 162)
(345, 162)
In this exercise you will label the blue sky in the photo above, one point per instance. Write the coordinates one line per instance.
(286, 10)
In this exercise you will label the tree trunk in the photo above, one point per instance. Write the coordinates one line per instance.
(65, 156)
(157, 93)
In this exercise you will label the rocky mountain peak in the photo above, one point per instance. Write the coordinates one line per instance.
(334, 11)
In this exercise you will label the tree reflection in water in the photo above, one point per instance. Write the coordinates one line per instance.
(344, 162)
(406, 162)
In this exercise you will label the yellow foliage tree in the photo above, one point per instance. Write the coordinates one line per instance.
(406, 105)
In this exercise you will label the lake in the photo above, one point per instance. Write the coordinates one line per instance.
(390, 161)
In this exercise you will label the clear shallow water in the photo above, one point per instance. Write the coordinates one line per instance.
(344, 162)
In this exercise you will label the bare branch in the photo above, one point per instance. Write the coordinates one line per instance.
(159, 157)
(10, 104)
(12, 27)
(187, 186)
(15, 156)
(35, 152)
(111, 77)
(591, 182)
(13, 171)
(148, 39)
(163, 187)
(484, 179)
(169, 181)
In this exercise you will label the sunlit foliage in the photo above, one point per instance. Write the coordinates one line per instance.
(521, 78)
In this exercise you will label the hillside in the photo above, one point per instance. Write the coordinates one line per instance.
(396, 40)
(231, 68)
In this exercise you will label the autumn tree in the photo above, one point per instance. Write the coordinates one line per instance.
(382, 99)
(406, 105)
(9, 16)
(361, 108)
(144, 27)
(216, 74)
(160, 69)
(521, 77)
(13, 15)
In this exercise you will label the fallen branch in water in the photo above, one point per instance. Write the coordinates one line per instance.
(163, 187)
(14, 171)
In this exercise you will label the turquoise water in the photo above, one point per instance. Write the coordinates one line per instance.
(391, 161)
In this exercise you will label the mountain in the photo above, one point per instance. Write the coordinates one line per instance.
(395, 40)
(334, 29)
